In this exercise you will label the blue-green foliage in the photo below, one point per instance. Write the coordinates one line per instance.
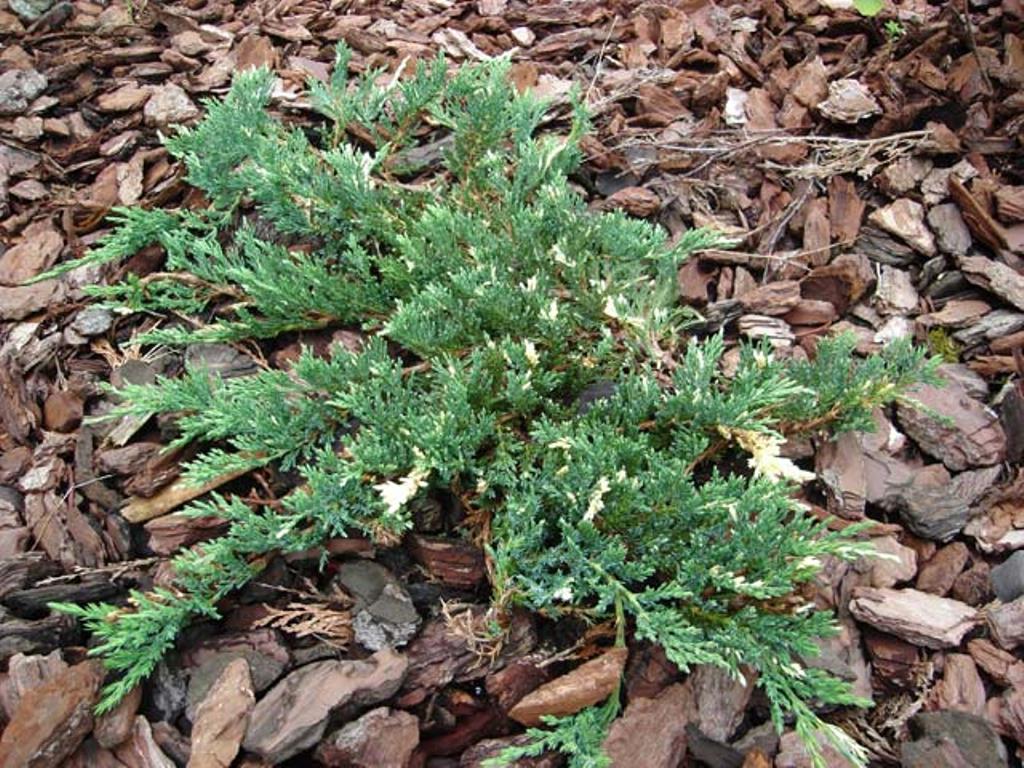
(494, 304)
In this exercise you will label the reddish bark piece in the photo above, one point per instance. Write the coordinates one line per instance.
(38, 249)
(18, 413)
(978, 219)
(636, 201)
(965, 434)
(951, 233)
(845, 209)
(1010, 204)
(694, 279)
(1009, 714)
(772, 329)
(973, 585)
(1007, 623)
(468, 730)
(62, 411)
(172, 532)
(23, 674)
(92, 755)
(849, 101)
(127, 98)
(18, 302)
(382, 738)
(658, 106)
(811, 312)
(841, 468)
(841, 283)
(761, 116)
(893, 564)
(895, 294)
(584, 686)
(717, 700)
(793, 752)
(222, 718)
(755, 758)
(938, 575)
(63, 531)
(811, 85)
(817, 236)
(648, 672)
(952, 739)
(920, 618)
(508, 685)
(293, 716)
(453, 561)
(995, 277)
(175, 744)
(437, 656)
(903, 176)
(961, 687)
(255, 51)
(904, 218)
(652, 728)
(127, 460)
(52, 719)
(114, 727)
(955, 314)
(894, 661)
(1003, 667)
(263, 649)
(141, 749)
(772, 299)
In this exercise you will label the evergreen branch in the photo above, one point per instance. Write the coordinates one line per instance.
(524, 356)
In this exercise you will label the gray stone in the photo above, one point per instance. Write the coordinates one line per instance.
(221, 359)
(951, 233)
(994, 325)
(168, 105)
(92, 321)
(264, 670)
(1006, 623)
(384, 613)
(167, 692)
(762, 737)
(1008, 578)
(952, 739)
(18, 87)
(30, 10)
(842, 656)
(1011, 416)
(930, 503)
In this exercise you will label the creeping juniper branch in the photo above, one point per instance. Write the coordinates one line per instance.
(493, 303)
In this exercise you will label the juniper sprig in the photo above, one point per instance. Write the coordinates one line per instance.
(525, 356)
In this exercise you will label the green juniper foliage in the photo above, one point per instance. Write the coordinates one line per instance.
(523, 354)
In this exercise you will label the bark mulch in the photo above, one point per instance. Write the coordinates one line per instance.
(872, 174)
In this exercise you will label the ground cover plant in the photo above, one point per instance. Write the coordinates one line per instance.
(523, 356)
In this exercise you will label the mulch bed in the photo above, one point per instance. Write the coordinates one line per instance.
(874, 183)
